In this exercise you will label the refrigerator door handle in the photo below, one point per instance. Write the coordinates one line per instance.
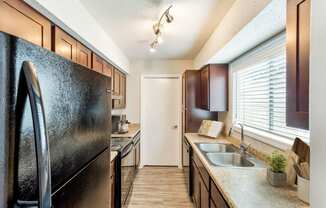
(41, 137)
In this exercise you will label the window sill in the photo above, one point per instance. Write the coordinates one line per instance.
(268, 138)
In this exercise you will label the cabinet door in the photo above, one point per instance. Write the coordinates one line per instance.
(217, 197)
(97, 63)
(204, 86)
(123, 90)
(204, 195)
(84, 55)
(298, 36)
(65, 45)
(196, 185)
(212, 204)
(116, 87)
(218, 87)
(19, 19)
(107, 69)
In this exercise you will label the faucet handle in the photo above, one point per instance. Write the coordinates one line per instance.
(245, 147)
(248, 146)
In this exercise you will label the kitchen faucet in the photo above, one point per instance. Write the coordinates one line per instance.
(243, 147)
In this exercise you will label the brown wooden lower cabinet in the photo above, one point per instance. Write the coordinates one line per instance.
(217, 197)
(212, 204)
(205, 192)
(196, 185)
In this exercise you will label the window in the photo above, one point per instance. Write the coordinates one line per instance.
(259, 89)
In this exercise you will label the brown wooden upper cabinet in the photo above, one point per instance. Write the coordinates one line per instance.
(18, 19)
(297, 55)
(123, 91)
(116, 82)
(213, 94)
(84, 55)
(107, 69)
(97, 63)
(119, 89)
(64, 45)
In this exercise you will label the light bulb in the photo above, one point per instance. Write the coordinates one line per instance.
(159, 39)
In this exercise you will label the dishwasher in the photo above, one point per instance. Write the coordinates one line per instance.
(186, 161)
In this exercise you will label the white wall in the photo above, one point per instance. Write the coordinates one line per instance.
(318, 103)
(74, 18)
(141, 67)
(239, 15)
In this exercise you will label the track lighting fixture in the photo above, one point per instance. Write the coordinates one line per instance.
(157, 28)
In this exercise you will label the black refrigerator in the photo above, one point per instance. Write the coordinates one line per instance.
(54, 129)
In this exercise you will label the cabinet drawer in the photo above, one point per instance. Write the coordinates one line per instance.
(217, 197)
(203, 172)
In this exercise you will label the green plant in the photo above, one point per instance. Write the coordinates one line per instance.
(277, 161)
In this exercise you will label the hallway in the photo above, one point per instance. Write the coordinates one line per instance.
(160, 187)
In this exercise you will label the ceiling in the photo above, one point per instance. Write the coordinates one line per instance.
(129, 24)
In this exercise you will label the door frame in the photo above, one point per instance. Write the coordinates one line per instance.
(179, 107)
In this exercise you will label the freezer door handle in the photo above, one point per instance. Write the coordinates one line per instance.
(41, 137)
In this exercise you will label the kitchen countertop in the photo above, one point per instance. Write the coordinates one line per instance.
(134, 128)
(246, 187)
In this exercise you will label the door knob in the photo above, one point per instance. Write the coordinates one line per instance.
(175, 126)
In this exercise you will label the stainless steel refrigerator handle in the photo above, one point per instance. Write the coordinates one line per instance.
(41, 137)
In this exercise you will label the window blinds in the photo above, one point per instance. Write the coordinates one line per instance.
(260, 89)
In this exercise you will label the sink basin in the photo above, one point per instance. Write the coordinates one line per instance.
(228, 160)
(215, 147)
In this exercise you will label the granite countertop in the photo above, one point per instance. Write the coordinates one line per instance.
(246, 187)
(134, 128)
(113, 155)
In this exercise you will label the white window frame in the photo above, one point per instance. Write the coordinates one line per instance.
(269, 138)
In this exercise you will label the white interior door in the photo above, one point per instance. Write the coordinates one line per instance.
(160, 117)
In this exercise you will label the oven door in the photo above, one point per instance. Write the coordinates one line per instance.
(127, 171)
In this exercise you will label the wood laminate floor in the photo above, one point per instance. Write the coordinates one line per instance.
(160, 187)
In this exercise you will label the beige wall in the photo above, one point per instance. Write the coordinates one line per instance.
(143, 67)
(318, 103)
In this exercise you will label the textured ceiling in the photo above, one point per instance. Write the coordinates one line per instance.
(129, 23)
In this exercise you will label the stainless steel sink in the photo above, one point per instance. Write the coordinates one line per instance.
(228, 160)
(215, 147)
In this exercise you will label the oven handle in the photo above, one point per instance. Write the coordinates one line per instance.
(136, 140)
(129, 148)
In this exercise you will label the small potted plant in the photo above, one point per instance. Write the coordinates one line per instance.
(276, 175)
